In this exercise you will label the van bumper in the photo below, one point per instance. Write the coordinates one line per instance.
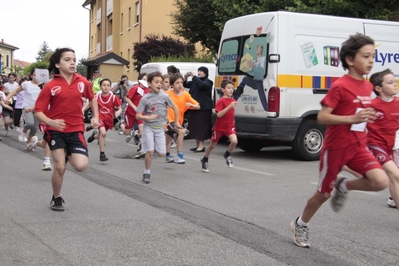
(278, 129)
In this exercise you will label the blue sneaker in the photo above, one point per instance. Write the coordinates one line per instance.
(169, 159)
(179, 158)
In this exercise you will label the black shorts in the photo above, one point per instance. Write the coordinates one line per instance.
(73, 142)
(169, 130)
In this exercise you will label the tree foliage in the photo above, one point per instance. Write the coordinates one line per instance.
(203, 21)
(80, 68)
(44, 53)
(370, 9)
(155, 45)
(41, 65)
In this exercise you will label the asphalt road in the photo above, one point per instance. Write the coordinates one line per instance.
(230, 216)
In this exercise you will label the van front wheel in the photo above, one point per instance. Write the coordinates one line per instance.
(308, 140)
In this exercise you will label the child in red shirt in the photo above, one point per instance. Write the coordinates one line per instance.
(64, 119)
(346, 111)
(107, 102)
(224, 125)
(382, 133)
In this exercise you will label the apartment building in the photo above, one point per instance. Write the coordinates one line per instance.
(6, 56)
(115, 25)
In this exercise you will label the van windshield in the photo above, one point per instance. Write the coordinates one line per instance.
(244, 55)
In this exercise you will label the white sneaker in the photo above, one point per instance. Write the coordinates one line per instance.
(46, 165)
(5, 133)
(32, 145)
(22, 136)
(174, 145)
(391, 203)
(18, 129)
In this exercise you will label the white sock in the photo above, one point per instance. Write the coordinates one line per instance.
(301, 223)
(47, 158)
(146, 171)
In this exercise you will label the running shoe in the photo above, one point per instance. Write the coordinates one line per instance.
(146, 178)
(391, 203)
(32, 145)
(46, 165)
(5, 133)
(338, 198)
(103, 157)
(179, 158)
(140, 154)
(22, 136)
(204, 165)
(91, 138)
(130, 136)
(300, 234)
(88, 128)
(169, 159)
(57, 204)
(229, 161)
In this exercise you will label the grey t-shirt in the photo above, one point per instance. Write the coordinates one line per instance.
(155, 103)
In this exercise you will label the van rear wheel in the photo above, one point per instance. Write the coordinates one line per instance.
(308, 140)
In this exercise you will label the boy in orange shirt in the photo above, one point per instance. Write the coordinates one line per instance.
(183, 101)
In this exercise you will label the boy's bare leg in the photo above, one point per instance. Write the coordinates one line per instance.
(375, 180)
(313, 204)
(393, 173)
(59, 170)
(101, 138)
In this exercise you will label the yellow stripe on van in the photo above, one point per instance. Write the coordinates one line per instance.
(290, 81)
(302, 81)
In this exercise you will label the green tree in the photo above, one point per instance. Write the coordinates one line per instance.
(16, 69)
(155, 45)
(80, 68)
(195, 21)
(370, 9)
(41, 64)
(203, 21)
(44, 53)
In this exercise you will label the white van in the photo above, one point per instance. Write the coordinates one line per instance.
(184, 67)
(285, 62)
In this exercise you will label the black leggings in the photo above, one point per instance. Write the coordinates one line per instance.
(17, 117)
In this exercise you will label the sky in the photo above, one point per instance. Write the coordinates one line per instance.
(26, 24)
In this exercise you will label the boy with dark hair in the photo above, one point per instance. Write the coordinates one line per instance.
(153, 110)
(346, 111)
(224, 125)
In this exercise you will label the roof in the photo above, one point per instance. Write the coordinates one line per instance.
(21, 64)
(106, 58)
(87, 2)
(8, 46)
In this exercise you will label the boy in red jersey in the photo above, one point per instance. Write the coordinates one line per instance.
(346, 111)
(133, 98)
(381, 134)
(224, 125)
(183, 101)
(107, 102)
(64, 119)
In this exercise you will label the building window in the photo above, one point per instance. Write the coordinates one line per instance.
(109, 27)
(130, 17)
(98, 33)
(137, 12)
(121, 29)
(8, 60)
